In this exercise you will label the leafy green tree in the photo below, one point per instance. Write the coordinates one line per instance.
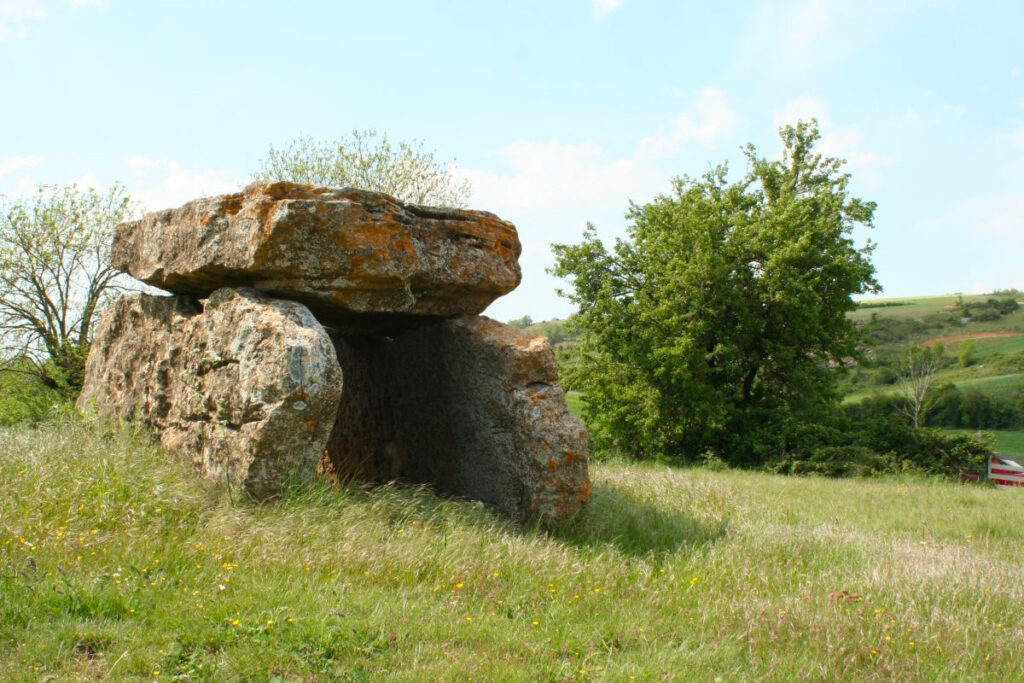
(54, 277)
(966, 353)
(715, 328)
(525, 321)
(367, 161)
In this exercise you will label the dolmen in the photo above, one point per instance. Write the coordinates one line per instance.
(312, 328)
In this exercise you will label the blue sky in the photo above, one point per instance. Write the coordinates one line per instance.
(558, 112)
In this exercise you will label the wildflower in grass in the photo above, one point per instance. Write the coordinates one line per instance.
(235, 622)
(459, 586)
(290, 620)
(495, 575)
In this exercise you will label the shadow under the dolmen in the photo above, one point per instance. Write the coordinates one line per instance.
(634, 526)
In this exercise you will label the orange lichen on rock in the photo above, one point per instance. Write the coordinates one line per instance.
(250, 386)
(340, 251)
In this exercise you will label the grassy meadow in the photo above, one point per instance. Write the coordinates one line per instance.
(115, 561)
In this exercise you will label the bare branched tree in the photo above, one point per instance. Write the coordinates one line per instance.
(54, 277)
(915, 373)
(368, 161)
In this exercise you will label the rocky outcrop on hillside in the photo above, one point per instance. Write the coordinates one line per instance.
(238, 371)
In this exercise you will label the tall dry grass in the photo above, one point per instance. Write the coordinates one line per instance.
(115, 561)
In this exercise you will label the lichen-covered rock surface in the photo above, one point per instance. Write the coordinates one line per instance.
(353, 257)
(246, 385)
(468, 405)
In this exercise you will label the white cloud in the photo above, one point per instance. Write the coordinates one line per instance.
(789, 37)
(89, 180)
(21, 10)
(844, 142)
(1015, 72)
(998, 216)
(953, 111)
(993, 225)
(16, 176)
(551, 189)
(553, 176)
(1017, 137)
(556, 178)
(162, 183)
(803, 109)
(12, 164)
(604, 7)
(15, 13)
(707, 121)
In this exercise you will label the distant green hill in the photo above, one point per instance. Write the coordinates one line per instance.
(981, 336)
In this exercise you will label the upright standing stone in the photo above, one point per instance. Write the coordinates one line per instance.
(247, 386)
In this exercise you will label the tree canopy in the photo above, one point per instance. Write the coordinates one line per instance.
(54, 276)
(715, 326)
(368, 161)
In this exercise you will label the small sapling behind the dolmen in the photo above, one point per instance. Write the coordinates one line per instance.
(311, 323)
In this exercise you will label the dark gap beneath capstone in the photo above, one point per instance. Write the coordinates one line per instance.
(422, 407)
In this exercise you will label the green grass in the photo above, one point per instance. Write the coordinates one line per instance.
(1010, 442)
(987, 348)
(918, 306)
(574, 400)
(997, 385)
(1003, 385)
(115, 561)
(1007, 441)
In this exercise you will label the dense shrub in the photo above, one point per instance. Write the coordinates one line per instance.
(871, 438)
(24, 399)
(836, 461)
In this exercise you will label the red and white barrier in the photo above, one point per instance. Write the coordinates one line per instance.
(1005, 473)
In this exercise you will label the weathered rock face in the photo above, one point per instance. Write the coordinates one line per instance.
(247, 386)
(355, 258)
(250, 387)
(468, 405)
